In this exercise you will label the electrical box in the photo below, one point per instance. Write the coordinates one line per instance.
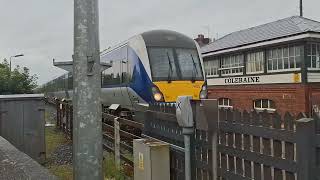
(151, 160)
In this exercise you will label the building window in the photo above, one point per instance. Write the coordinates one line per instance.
(211, 68)
(225, 103)
(255, 62)
(285, 58)
(313, 53)
(264, 104)
(232, 65)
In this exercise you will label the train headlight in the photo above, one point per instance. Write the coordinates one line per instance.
(157, 95)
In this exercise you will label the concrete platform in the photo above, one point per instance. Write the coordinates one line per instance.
(17, 165)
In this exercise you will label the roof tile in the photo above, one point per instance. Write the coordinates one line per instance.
(277, 29)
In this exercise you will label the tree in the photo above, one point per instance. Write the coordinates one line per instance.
(19, 81)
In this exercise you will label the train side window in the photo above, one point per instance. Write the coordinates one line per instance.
(126, 75)
(125, 66)
(111, 76)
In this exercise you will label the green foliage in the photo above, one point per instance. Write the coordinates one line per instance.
(18, 81)
(111, 171)
(54, 139)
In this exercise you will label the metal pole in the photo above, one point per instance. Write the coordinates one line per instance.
(184, 115)
(87, 127)
(10, 65)
(301, 8)
(187, 132)
(214, 146)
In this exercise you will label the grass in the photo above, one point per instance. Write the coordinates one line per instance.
(111, 172)
(55, 138)
(63, 172)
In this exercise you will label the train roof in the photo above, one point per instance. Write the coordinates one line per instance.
(164, 38)
(160, 38)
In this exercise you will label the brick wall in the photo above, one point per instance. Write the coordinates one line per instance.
(292, 98)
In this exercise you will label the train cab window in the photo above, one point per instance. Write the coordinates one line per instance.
(163, 66)
(189, 64)
(264, 104)
(225, 103)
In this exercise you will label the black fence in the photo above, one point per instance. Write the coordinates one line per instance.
(251, 145)
(64, 120)
(267, 146)
(162, 124)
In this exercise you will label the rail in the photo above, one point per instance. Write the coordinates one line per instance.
(128, 130)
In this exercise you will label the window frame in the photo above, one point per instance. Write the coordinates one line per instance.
(317, 55)
(209, 65)
(262, 62)
(231, 58)
(268, 59)
(228, 106)
(269, 108)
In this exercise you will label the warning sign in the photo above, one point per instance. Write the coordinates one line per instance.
(141, 163)
(297, 78)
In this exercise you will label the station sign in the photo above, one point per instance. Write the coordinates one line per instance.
(257, 79)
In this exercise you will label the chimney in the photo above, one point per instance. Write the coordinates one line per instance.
(202, 41)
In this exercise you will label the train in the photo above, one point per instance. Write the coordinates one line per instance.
(154, 66)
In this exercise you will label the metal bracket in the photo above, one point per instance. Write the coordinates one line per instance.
(90, 64)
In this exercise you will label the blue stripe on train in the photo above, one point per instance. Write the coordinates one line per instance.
(141, 83)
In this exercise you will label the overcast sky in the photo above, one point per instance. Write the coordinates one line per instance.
(43, 29)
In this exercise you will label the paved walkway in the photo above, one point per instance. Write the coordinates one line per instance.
(15, 165)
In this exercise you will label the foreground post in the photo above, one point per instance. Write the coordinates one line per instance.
(185, 120)
(87, 130)
(212, 117)
(117, 143)
(306, 148)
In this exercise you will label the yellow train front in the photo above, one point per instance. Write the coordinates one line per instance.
(155, 66)
(176, 66)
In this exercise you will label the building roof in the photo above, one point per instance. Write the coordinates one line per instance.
(282, 28)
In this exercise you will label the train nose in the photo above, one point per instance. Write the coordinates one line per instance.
(172, 90)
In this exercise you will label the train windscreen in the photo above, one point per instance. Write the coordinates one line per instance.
(174, 64)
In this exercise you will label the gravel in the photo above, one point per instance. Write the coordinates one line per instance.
(62, 155)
